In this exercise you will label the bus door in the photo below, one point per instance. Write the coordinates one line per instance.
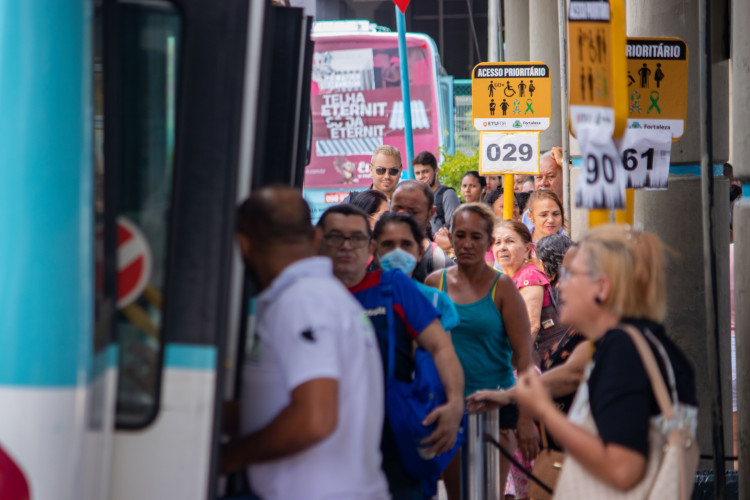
(178, 114)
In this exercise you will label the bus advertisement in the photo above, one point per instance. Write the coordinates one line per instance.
(357, 106)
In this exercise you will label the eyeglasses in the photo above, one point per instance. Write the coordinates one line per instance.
(355, 240)
(392, 171)
(566, 273)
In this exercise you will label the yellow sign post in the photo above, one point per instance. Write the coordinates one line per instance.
(596, 78)
(596, 43)
(657, 84)
(509, 98)
(513, 96)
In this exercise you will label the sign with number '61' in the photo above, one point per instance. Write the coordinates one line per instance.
(509, 153)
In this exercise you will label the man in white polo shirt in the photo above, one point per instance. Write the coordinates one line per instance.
(312, 393)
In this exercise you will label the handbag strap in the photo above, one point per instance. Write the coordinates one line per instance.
(543, 433)
(489, 439)
(671, 379)
(652, 369)
(386, 290)
(552, 299)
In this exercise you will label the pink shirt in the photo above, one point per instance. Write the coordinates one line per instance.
(530, 275)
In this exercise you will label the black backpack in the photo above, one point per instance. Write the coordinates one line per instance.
(440, 213)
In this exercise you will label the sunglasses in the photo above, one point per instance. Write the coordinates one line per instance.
(392, 171)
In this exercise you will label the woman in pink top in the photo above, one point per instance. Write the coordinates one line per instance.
(513, 252)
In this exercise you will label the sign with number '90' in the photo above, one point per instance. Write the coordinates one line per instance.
(509, 153)
(602, 181)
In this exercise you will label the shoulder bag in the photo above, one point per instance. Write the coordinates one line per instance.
(673, 452)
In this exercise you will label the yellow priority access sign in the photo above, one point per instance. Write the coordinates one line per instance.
(596, 56)
(657, 82)
(511, 96)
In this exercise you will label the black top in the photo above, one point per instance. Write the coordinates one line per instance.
(620, 394)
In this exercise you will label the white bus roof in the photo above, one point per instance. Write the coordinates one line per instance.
(347, 26)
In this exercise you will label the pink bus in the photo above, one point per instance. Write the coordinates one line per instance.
(357, 105)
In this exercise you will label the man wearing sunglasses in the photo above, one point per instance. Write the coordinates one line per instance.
(385, 168)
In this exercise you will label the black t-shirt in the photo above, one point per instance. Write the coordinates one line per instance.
(620, 394)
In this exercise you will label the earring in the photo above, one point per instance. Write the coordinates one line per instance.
(598, 300)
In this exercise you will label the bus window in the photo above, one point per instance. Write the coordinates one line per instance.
(446, 113)
(145, 121)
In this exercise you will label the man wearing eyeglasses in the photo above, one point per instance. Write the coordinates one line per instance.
(347, 240)
(312, 404)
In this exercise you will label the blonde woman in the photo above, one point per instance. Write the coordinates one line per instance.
(616, 278)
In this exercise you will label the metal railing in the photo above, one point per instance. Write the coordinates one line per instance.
(480, 460)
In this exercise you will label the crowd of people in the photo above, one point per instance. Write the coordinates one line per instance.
(512, 315)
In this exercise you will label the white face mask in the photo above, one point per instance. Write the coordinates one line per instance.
(398, 259)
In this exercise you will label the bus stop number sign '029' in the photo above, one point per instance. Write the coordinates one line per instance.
(509, 153)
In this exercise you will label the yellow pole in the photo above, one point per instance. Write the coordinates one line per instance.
(508, 200)
(626, 216)
(598, 217)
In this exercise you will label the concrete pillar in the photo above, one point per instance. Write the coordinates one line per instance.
(544, 45)
(742, 339)
(675, 214)
(516, 15)
(740, 106)
(494, 42)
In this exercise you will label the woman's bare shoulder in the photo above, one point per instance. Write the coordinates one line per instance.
(433, 279)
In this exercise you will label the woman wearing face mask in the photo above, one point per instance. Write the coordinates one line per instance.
(546, 214)
(493, 329)
(396, 236)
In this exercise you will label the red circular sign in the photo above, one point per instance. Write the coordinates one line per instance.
(133, 262)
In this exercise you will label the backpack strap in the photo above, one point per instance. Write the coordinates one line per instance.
(440, 212)
(386, 290)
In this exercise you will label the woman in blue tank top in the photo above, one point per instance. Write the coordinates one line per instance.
(494, 328)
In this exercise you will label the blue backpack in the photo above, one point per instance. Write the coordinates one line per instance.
(407, 404)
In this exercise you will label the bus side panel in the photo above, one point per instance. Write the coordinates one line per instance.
(46, 258)
(61, 437)
(179, 436)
